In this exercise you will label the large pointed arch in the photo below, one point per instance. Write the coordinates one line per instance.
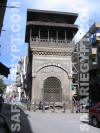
(56, 65)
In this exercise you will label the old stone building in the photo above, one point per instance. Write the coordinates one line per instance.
(94, 58)
(49, 36)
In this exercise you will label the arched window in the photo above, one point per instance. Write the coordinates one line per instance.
(52, 90)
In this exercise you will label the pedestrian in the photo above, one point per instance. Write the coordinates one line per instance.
(28, 103)
(1, 102)
(77, 107)
(40, 105)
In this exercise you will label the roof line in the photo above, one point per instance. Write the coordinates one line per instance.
(52, 12)
(51, 24)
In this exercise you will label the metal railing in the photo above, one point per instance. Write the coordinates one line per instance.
(51, 42)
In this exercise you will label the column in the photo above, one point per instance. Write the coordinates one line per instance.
(39, 34)
(73, 34)
(70, 94)
(48, 35)
(57, 35)
(30, 35)
(65, 35)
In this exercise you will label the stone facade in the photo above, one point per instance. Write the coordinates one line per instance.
(46, 66)
(51, 62)
(50, 59)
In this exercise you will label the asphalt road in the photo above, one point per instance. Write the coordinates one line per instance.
(60, 123)
(48, 122)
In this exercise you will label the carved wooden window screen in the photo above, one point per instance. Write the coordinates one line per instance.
(52, 90)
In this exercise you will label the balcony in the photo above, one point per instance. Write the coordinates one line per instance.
(95, 38)
(18, 81)
(19, 67)
(18, 71)
(93, 66)
(51, 43)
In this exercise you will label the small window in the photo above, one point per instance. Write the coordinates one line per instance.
(94, 50)
(94, 61)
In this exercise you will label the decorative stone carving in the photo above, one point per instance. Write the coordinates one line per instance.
(53, 65)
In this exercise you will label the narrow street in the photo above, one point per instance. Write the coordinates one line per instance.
(59, 123)
(49, 66)
(49, 122)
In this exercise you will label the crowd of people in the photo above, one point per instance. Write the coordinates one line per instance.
(7, 99)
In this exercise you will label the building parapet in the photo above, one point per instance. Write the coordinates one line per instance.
(51, 43)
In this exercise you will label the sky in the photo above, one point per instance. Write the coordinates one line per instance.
(11, 52)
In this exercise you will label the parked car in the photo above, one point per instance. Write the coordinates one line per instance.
(94, 115)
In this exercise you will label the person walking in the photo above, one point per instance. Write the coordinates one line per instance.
(28, 103)
(78, 107)
(40, 105)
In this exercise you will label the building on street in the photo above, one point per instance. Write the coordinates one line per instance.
(91, 43)
(21, 76)
(11, 90)
(95, 62)
(49, 35)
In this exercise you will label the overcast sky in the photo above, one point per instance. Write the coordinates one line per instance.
(88, 10)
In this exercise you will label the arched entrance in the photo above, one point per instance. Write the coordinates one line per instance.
(52, 90)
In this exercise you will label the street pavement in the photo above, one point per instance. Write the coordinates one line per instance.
(60, 123)
(49, 122)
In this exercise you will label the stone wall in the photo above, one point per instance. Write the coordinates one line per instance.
(51, 66)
